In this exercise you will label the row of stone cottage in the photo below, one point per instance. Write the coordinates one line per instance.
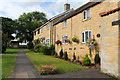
(98, 20)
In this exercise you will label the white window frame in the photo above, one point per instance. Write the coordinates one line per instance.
(85, 35)
(41, 29)
(87, 16)
(43, 41)
(48, 42)
(63, 42)
(64, 23)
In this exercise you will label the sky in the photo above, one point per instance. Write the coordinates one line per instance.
(14, 8)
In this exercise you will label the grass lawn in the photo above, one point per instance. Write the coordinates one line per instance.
(8, 65)
(8, 62)
(11, 51)
(62, 66)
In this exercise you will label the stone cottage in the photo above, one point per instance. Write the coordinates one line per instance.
(99, 20)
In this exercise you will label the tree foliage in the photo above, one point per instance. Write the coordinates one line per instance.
(27, 23)
(8, 27)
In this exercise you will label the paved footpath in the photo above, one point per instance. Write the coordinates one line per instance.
(24, 68)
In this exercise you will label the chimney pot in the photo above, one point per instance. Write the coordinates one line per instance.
(66, 7)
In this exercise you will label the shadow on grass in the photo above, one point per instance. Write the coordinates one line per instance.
(11, 51)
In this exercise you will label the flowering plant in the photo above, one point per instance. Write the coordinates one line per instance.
(67, 41)
(47, 69)
(58, 42)
(74, 39)
(90, 42)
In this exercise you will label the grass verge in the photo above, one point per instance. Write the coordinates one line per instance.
(38, 59)
(8, 65)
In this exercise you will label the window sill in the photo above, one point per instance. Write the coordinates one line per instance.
(86, 19)
(64, 43)
(83, 42)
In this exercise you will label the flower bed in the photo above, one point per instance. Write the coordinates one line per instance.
(45, 70)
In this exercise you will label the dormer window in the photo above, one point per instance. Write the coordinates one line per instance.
(48, 26)
(64, 23)
(41, 29)
(35, 33)
(38, 31)
(86, 14)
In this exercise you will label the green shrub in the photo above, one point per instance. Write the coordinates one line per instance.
(30, 45)
(37, 47)
(86, 61)
(45, 50)
(3, 48)
(61, 53)
(52, 49)
(97, 59)
(74, 58)
(37, 41)
(65, 55)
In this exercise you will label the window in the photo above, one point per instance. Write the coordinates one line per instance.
(38, 31)
(64, 38)
(64, 23)
(86, 35)
(35, 33)
(43, 40)
(41, 29)
(47, 42)
(86, 14)
(48, 26)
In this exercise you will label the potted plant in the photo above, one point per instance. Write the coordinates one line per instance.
(58, 42)
(67, 41)
(74, 39)
(90, 43)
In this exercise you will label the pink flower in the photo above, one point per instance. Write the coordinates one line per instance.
(98, 64)
(89, 66)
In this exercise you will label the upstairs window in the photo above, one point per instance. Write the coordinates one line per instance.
(48, 26)
(86, 14)
(35, 33)
(86, 35)
(47, 42)
(41, 29)
(64, 38)
(38, 31)
(64, 23)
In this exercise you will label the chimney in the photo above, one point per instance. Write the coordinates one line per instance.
(66, 7)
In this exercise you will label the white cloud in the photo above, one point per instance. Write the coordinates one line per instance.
(15, 8)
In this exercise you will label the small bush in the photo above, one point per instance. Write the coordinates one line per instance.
(86, 61)
(61, 53)
(37, 48)
(48, 69)
(37, 41)
(3, 48)
(97, 59)
(30, 45)
(45, 50)
(65, 55)
(74, 58)
(52, 49)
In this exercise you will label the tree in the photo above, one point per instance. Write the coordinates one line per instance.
(27, 23)
(8, 27)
